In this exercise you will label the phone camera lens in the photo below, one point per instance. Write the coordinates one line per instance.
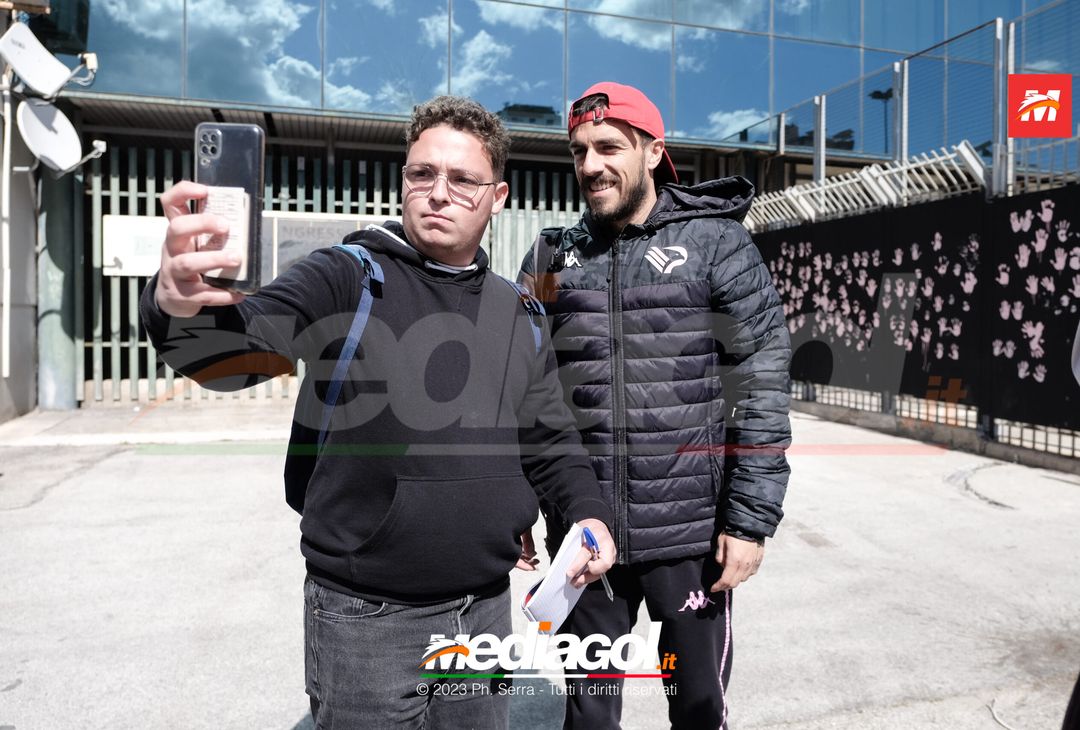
(213, 149)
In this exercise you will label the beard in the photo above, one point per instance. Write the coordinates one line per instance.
(615, 219)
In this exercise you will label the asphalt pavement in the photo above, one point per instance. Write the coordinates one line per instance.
(150, 577)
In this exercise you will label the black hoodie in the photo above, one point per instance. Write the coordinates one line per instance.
(448, 415)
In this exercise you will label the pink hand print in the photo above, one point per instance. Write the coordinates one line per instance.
(1039, 244)
(898, 256)
(1040, 373)
(1047, 213)
(1017, 310)
(1063, 231)
(915, 252)
(1047, 284)
(1060, 259)
(1022, 368)
(1031, 286)
(1023, 255)
(1002, 275)
(1075, 291)
(969, 282)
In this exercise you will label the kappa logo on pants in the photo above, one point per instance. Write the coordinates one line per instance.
(664, 263)
(696, 600)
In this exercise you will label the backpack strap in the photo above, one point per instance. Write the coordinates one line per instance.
(372, 272)
(534, 308)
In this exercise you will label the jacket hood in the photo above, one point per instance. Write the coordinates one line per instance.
(390, 239)
(727, 197)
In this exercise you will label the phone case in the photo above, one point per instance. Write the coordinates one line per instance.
(230, 159)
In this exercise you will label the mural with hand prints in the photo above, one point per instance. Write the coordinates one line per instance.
(963, 299)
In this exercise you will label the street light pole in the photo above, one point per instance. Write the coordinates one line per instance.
(884, 96)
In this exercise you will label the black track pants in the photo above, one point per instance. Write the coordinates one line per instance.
(696, 628)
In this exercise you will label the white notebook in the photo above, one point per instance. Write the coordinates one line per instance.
(551, 600)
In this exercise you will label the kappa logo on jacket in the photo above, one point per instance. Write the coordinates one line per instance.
(663, 262)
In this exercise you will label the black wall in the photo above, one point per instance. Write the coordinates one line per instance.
(959, 300)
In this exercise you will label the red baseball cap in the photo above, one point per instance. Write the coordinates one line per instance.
(634, 108)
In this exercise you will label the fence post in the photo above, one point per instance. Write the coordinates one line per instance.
(819, 138)
(997, 185)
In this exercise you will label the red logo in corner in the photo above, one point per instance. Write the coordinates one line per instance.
(1040, 105)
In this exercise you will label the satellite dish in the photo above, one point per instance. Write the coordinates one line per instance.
(40, 70)
(49, 134)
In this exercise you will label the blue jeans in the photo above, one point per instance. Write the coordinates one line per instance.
(362, 662)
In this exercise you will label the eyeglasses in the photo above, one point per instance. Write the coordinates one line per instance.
(462, 185)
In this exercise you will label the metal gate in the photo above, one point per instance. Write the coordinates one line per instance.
(117, 363)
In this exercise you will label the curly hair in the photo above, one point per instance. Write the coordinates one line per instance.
(464, 115)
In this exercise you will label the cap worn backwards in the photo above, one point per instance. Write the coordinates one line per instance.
(631, 106)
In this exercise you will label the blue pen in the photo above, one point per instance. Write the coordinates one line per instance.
(594, 546)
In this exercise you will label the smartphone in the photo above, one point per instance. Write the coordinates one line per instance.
(229, 159)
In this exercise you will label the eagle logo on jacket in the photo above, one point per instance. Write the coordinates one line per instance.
(665, 262)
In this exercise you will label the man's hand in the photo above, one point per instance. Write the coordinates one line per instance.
(181, 291)
(740, 558)
(589, 569)
(527, 560)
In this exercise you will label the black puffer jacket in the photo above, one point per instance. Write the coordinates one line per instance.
(678, 375)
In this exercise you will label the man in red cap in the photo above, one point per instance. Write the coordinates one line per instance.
(674, 355)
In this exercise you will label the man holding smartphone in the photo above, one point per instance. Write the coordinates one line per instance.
(673, 349)
(449, 425)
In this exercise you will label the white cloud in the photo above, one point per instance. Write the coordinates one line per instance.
(730, 14)
(725, 123)
(518, 16)
(794, 7)
(1045, 65)
(397, 98)
(345, 65)
(387, 6)
(433, 29)
(686, 62)
(482, 63)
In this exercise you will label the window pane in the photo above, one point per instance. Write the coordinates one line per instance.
(509, 58)
(970, 13)
(712, 106)
(822, 20)
(401, 62)
(138, 47)
(633, 52)
(266, 52)
(806, 69)
(655, 9)
(909, 26)
(730, 14)
(874, 61)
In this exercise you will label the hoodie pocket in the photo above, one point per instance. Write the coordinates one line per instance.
(444, 536)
